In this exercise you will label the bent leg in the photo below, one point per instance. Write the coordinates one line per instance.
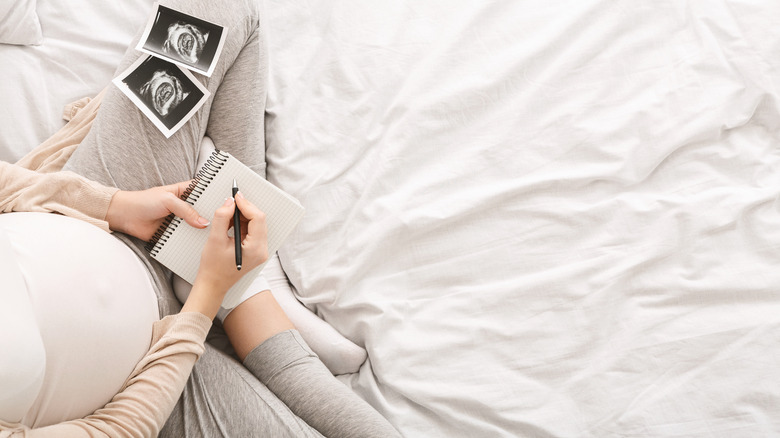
(293, 372)
(222, 399)
(124, 149)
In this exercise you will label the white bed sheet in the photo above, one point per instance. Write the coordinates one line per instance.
(83, 41)
(540, 218)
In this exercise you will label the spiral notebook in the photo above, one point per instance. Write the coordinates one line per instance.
(178, 246)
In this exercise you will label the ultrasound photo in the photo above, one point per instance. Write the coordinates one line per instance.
(166, 93)
(183, 39)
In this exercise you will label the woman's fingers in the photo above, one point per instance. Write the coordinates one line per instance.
(180, 188)
(256, 233)
(218, 262)
(176, 205)
(223, 219)
(185, 211)
(253, 214)
(254, 246)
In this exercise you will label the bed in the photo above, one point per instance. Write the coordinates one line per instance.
(541, 219)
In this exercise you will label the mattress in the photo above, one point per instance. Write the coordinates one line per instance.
(541, 219)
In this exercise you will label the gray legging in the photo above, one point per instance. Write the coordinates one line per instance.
(295, 393)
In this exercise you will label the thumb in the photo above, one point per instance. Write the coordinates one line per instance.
(223, 218)
(185, 211)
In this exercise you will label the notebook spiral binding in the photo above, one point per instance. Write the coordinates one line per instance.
(202, 179)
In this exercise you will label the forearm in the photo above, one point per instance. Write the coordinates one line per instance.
(59, 192)
(147, 398)
(205, 297)
(150, 393)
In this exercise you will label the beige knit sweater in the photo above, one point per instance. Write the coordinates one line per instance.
(36, 183)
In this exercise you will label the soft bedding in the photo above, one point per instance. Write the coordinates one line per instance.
(19, 23)
(541, 219)
(82, 43)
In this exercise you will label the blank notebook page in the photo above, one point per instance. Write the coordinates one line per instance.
(180, 247)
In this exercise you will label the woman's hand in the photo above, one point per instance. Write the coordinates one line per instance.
(217, 272)
(140, 213)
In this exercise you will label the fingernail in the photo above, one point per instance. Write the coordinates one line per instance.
(239, 195)
(228, 201)
(203, 221)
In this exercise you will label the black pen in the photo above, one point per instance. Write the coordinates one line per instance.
(237, 227)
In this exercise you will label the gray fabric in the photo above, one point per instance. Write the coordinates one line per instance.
(124, 149)
(291, 370)
(223, 399)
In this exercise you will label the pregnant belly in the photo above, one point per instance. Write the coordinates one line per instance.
(76, 313)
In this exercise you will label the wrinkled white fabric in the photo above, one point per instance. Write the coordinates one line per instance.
(540, 218)
(19, 23)
(83, 43)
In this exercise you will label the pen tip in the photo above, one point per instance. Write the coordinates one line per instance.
(234, 183)
(238, 267)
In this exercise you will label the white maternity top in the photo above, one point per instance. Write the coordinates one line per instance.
(76, 314)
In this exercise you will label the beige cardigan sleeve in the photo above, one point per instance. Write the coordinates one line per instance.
(36, 182)
(59, 192)
(149, 394)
